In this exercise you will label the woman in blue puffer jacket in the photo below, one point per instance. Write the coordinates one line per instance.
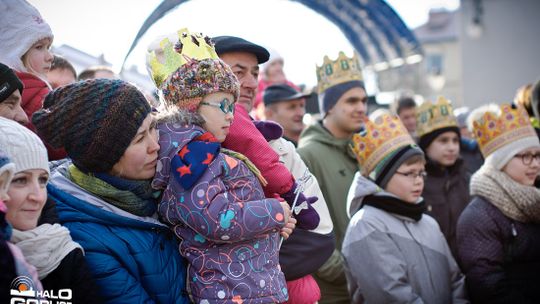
(103, 195)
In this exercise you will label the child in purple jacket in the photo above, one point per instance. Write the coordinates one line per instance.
(228, 231)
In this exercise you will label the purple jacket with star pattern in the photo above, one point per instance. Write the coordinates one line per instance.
(228, 230)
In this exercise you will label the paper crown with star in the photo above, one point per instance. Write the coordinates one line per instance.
(186, 67)
(341, 70)
(433, 116)
(494, 131)
(383, 135)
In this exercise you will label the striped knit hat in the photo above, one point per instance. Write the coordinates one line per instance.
(94, 120)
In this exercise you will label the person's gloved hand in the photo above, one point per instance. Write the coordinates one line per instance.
(305, 214)
(269, 129)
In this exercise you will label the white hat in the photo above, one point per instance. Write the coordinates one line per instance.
(22, 146)
(22, 26)
(500, 157)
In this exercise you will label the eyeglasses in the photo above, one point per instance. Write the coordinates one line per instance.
(225, 105)
(527, 158)
(413, 175)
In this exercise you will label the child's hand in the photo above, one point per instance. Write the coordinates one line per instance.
(287, 230)
(287, 212)
(290, 222)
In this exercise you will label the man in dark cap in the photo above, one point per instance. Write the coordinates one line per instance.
(11, 89)
(286, 106)
(244, 58)
(296, 256)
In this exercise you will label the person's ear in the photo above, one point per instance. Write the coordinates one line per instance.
(330, 111)
(268, 112)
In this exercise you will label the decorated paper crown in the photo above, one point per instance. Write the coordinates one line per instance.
(343, 69)
(164, 60)
(434, 116)
(495, 131)
(382, 136)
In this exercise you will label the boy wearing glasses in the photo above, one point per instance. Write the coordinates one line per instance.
(393, 251)
(446, 190)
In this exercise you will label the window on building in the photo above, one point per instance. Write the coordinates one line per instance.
(434, 64)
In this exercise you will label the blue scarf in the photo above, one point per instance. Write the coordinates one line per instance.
(194, 158)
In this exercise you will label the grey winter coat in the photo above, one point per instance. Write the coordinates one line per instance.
(393, 259)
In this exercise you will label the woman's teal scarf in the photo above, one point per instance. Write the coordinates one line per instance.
(133, 196)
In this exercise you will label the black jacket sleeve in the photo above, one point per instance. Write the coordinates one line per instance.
(304, 252)
(7, 273)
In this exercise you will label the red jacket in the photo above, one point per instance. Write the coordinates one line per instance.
(33, 94)
(35, 90)
(245, 138)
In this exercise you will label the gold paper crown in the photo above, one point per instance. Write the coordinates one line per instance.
(430, 117)
(342, 70)
(381, 137)
(170, 55)
(494, 131)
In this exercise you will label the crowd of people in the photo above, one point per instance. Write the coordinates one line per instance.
(216, 191)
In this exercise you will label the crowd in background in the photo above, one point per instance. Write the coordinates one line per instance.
(212, 189)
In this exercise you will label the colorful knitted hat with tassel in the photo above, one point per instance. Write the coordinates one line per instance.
(188, 69)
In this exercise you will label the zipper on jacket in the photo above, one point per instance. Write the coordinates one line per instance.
(508, 248)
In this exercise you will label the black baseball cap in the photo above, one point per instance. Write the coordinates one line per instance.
(226, 44)
(281, 92)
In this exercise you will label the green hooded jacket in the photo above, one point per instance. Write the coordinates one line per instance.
(333, 163)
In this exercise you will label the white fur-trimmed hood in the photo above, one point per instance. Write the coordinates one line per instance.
(22, 26)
